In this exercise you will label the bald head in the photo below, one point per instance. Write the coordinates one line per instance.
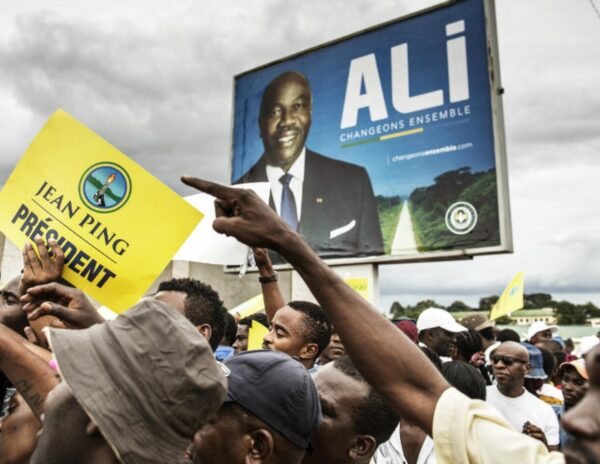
(513, 349)
(510, 362)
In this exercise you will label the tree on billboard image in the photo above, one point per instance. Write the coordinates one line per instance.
(429, 207)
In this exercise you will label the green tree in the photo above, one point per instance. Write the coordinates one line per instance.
(591, 310)
(569, 314)
(486, 303)
(537, 301)
(457, 306)
(423, 305)
(397, 310)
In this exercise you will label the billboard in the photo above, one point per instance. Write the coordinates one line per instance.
(387, 145)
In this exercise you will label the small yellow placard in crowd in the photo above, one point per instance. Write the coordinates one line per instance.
(256, 333)
(117, 224)
(360, 285)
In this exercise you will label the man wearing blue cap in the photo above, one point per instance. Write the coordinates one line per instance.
(269, 415)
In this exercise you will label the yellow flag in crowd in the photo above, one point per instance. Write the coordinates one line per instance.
(511, 299)
(256, 333)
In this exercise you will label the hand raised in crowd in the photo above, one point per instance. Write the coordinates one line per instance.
(242, 214)
(70, 305)
(263, 262)
(41, 268)
(534, 432)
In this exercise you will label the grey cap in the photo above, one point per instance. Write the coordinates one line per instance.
(147, 379)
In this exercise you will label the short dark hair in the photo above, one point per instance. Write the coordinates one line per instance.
(488, 333)
(375, 416)
(318, 328)
(465, 378)
(508, 335)
(261, 318)
(467, 343)
(202, 305)
(230, 329)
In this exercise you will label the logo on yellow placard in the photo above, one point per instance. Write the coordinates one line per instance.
(105, 187)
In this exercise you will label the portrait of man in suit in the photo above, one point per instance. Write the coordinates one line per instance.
(329, 201)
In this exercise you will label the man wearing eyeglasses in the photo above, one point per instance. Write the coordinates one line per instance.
(526, 413)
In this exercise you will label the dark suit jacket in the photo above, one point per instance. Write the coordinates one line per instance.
(339, 213)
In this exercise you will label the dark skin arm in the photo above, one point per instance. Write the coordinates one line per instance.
(272, 296)
(384, 355)
(28, 372)
(535, 432)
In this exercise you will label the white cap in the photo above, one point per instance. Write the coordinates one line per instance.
(435, 317)
(585, 345)
(538, 327)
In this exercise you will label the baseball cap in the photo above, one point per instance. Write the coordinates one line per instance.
(538, 327)
(435, 317)
(578, 364)
(409, 328)
(536, 361)
(477, 322)
(278, 390)
(148, 380)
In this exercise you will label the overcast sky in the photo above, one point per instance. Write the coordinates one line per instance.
(155, 79)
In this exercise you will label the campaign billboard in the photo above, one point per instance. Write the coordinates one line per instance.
(386, 145)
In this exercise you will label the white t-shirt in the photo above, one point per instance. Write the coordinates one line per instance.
(525, 408)
(391, 451)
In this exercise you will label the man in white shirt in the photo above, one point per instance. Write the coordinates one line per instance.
(523, 410)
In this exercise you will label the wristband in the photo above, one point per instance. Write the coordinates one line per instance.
(268, 279)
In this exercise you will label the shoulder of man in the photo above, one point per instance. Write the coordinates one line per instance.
(257, 173)
(325, 162)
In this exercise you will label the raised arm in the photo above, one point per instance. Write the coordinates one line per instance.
(272, 296)
(384, 355)
(29, 373)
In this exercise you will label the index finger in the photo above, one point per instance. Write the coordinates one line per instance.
(42, 251)
(212, 188)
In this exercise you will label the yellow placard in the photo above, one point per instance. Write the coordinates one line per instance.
(359, 285)
(249, 307)
(256, 333)
(117, 224)
(511, 299)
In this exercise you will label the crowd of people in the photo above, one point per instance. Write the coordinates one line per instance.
(171, 380)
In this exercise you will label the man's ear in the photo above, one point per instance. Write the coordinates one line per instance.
(205, 330)
(363, 446)
(526, 368)
(309, 351)
(262, 446)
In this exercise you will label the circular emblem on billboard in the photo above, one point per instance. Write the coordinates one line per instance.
(461, 218)
(105, 187)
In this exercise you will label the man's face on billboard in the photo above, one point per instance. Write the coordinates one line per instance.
(285, 117)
